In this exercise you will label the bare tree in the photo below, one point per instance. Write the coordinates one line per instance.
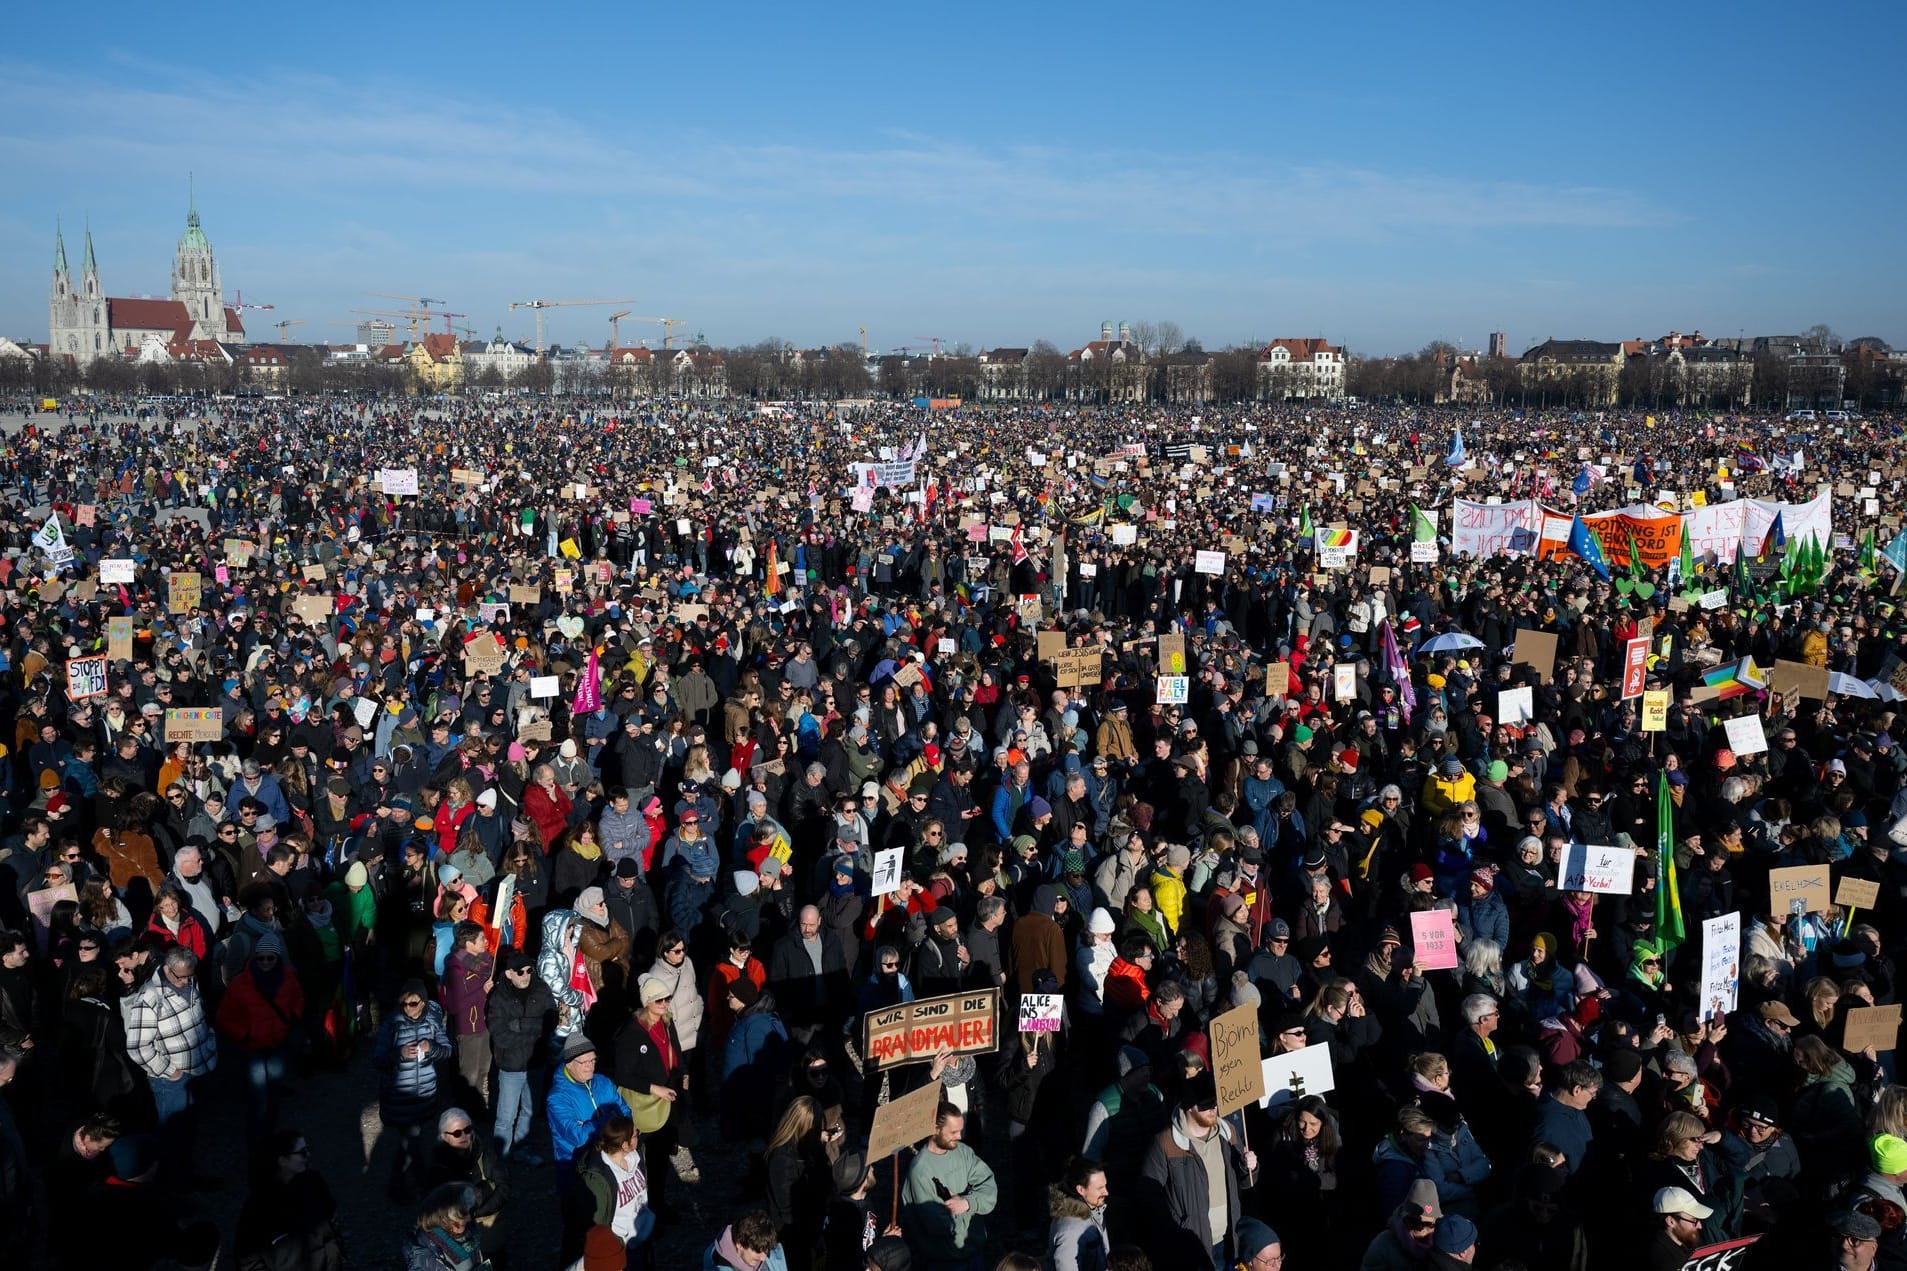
(1171, 337)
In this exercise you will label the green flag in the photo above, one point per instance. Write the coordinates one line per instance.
(1305, 528)
(1685, 561)
(1870, 556)
(1422, 528)
(1669, 930)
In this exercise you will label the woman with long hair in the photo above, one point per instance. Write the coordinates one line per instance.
(1681, 1157)
(1298, 1180)
(443, 1237)
(799, 1177)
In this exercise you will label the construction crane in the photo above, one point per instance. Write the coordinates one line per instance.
(615, 328)
(934, 340)
(240, 306)
(420, 302)
(286, 322)
(412, 316)
(538, 306)
(447, 315)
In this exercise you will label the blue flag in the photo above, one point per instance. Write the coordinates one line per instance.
(1455, 458)
(1580, 486)
(1585, 545)
(1777, 537)
(1896, 552)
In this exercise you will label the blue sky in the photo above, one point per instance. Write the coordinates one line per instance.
(988, 174)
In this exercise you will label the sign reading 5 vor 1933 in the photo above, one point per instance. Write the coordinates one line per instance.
(914, 1032)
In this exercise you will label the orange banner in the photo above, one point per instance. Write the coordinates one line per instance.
(1657, 538)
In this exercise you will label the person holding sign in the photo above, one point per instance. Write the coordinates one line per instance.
(1190, 1180)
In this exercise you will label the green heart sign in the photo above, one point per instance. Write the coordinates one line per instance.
(1645, 590)
(1625, 585)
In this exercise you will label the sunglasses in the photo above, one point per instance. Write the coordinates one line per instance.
(462, 1133)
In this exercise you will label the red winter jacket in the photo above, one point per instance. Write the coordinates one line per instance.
(247, 1018)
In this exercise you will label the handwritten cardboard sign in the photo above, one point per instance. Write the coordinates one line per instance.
(1041, 1012)
(903, 1122)
(1537, 650)
(1876, 1026)
(1235, 1059)
(119, 639)
(1857, 893)
(1806, 884)
(1077, 668)
(194, 723)
(1278, 680)
(86, 678)
(914, 1032)
(183, 591)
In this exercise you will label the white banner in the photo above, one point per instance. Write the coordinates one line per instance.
(397, 480)
(115, 570)
(895, 475)
(1484, 530)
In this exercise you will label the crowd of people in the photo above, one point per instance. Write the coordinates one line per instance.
(593, 775)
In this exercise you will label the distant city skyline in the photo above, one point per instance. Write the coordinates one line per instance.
(1379, 178)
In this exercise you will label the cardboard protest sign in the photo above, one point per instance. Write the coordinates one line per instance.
(1235, 1061)
(1537, 650)
(1876, 1026)
(521, 594)
(1172, 655)
(1803, 885)
(1798, 679)
(538, 730)
(1051, 644)
(1278, 680)
(466, 476)
(1434, 936)
(194, 723)
(1857, 893)
(1041, 1012)
(903, 1122)
(1295, 1074)
(1077, 668)
(40, 905)
(1721, 964)
(483, 656)
(913, 1032)
(183, 591)
(86, 678)
(119, 639)
(315, 610)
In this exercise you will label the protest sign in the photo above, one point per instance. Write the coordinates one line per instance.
(1514, 705)
(315, 610)
(1051, 644)
(483, 656)
(522, 594)
(183, 590)
(887, 871)
(545, 686)
(1537, 650)
(86, 678)
(1344, 682)
(1857, 893)
(115, 570)
(397, 480)
(1235, 1061)
(1803, 885)
(1336, 548)
(1294, 1075)
(466, 476)
(194, 723)
(1592, 868)
(1041, 1012)
(903, 1122)
(1172, 655)
(1876, 1026)
(1798, 679)
(118, 639)
(1174, 690)
(1729, 1255)
(913, 1032)
(1278, 680)
(1077, 668)
(1423, 553)
(40, 906)
(1655, 711)
(1635, 668)
(1434, 937)
(1209, 563)
(1721, 964)
(1746, 736)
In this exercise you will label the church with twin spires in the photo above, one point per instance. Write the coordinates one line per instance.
(86, 324)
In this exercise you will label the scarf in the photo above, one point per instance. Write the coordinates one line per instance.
(591, 851)
(1543, 978)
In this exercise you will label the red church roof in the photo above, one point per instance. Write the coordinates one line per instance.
(149, 315)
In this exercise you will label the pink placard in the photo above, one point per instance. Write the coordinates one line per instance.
(1435, 935)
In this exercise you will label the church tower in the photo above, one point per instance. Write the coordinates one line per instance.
(195, 279)
(76, 319)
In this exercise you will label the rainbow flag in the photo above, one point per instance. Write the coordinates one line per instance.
(1736, 679)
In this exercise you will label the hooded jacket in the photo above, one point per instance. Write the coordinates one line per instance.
(1076, 1241)
(554, 966)
(1174, 1184)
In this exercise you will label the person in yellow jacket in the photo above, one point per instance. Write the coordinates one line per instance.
(1168, 885)
(1814, 645)
(1448, 788)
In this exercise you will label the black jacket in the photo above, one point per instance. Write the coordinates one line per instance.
(519, 1021)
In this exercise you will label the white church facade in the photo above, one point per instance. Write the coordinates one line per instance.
(85, 324)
